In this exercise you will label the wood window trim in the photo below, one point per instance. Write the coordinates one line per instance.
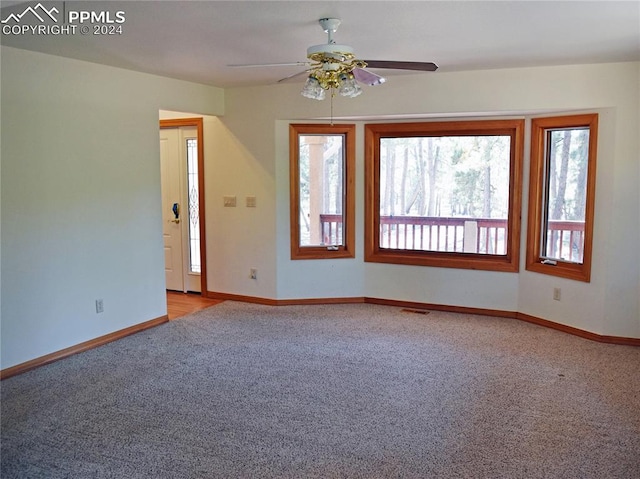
(539, 126)
(321, 252)
(373, 253)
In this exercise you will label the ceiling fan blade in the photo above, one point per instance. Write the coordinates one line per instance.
(255, 65)
(418, 66)
(367, 77)
(304, 72)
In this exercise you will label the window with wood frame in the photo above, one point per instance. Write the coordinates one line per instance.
(444, 194)
(322, 170)
(561, 195)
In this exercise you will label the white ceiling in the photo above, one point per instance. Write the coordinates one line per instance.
(197, 40)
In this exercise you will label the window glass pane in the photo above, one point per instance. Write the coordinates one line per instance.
(194, 217)
(445, 193)
(565, 194)
(321, 190)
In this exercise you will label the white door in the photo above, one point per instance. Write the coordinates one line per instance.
(179, 198)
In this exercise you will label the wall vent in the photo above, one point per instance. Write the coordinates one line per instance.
(414, 311)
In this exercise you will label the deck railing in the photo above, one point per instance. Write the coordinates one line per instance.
(430, 233)
(331, 228)
(460, 235)
(565, 240)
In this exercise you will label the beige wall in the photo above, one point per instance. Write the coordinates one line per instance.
(81, 198)
(258, 118)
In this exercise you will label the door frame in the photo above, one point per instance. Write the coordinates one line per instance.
(198, 124)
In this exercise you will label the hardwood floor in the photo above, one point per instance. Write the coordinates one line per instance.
(181, 304)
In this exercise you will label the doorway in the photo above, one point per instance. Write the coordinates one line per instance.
(180, 304)
(182, 181)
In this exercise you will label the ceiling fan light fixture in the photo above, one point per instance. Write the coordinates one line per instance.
(347, 85)
(312, 89)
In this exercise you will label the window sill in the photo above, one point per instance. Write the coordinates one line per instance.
(444, 260)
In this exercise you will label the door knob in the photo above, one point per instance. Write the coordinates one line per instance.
(176, 213)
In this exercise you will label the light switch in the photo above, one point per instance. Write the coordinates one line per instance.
(251, 201)
(229, 201)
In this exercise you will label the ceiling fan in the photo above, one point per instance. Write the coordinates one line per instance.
(332, 66)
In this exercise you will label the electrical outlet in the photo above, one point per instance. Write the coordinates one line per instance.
(99, 306)
(253, 273)
(229, 201)
(556, 294)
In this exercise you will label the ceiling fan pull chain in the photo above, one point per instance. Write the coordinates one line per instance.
(331, 100)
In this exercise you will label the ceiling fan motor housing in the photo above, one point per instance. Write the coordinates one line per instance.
(330, 50)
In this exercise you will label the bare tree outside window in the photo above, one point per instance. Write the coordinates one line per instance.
(437, 192)
(444, 194)
(565, 193)
(562, 195)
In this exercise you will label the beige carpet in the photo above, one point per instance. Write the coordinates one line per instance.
(342, 391)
